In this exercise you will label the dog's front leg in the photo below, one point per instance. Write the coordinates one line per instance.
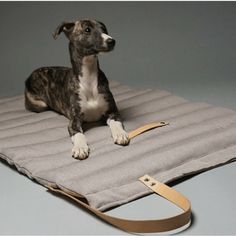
(119, 135)
(80, 148)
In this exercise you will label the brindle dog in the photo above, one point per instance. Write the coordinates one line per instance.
(80, 93)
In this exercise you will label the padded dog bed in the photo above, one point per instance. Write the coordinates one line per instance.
(199, 137)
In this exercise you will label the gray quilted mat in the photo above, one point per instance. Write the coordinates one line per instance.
(199, 137)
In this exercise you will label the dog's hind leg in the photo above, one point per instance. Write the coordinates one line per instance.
(33, 103)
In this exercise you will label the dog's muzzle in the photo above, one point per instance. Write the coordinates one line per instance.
(110, 43)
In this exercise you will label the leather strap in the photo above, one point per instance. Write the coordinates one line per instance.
(144, 226)
(146, 127)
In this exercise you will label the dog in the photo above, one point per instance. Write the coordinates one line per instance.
(80, 93)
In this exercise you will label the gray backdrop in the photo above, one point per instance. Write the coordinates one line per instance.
(184, 47)
(165, 44)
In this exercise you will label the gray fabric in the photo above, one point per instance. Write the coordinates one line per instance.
(200, 136)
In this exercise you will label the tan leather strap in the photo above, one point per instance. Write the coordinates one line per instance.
(145, 128)
(145, 226)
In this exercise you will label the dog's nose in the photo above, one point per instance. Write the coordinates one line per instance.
(111, 42)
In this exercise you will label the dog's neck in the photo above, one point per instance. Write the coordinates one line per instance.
(83, 66)
(89, 66)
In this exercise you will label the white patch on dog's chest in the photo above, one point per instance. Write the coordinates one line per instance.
(93, 105)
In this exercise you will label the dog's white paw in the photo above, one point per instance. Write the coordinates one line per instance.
(121, 138)
(80, 150)
(80, 153)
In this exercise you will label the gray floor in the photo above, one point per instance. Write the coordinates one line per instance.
(186, 48)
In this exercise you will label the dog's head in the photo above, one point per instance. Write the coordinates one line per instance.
(88, 36)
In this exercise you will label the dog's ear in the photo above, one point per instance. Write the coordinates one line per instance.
(104, 28)
(66, 27)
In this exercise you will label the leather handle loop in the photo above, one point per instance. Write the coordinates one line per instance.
(145, 226)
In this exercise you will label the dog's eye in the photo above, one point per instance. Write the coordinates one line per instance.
(87, 30)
